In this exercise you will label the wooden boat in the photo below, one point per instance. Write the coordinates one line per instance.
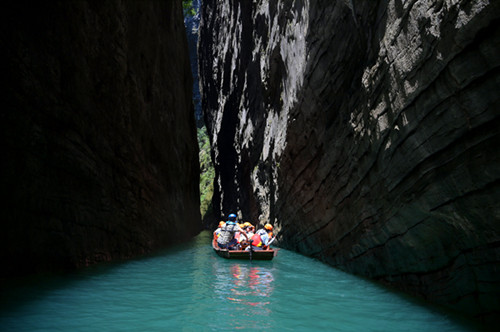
(266, 255)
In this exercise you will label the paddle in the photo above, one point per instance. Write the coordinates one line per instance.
(250, 244)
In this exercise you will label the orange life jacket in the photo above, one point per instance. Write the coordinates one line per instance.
(216, 233)
(256, 240)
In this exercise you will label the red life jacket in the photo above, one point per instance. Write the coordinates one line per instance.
(256, 240)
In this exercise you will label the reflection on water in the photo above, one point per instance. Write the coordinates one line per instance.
(251, 285)
(245, 289)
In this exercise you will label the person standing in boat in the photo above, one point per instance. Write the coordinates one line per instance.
(262, 239)
(226, 238)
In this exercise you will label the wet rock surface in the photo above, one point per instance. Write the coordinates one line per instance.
(367, 132)
(99, 151)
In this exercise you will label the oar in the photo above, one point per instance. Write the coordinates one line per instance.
(251, 250)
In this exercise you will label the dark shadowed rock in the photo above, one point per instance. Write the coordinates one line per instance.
(192, 23)
(367, 132)
(99, 151)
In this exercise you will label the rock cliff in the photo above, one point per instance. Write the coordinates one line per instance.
(367, 132)
(99, 152)
(192, 22)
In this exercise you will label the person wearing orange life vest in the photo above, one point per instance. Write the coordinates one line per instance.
(261, 239)
(218, 230)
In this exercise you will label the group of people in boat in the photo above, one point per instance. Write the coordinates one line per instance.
(234, 236)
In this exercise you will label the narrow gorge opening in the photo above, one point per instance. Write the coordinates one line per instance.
(365, 132)
(191, 10)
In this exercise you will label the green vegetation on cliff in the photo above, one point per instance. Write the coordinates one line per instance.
(188, 8)
(207, 173)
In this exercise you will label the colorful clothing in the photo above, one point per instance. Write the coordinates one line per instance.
(226, 237)
(260, 240)
(217, 233)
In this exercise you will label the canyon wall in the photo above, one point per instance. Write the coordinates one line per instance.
(366, 132)
(99, 152)
(192, 22)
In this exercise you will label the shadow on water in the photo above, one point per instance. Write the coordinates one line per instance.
(23, 290)
(461, 322)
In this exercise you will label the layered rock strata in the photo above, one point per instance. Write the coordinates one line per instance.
(367, 132)
(99, 152)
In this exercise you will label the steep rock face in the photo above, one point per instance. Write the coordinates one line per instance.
(192, 22)
(99, 151)
(367, 132)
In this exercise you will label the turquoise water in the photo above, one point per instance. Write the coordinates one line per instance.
(190, 288)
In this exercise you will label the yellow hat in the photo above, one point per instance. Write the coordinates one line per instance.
(221, 223)
(247, 224)
(269, 227)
